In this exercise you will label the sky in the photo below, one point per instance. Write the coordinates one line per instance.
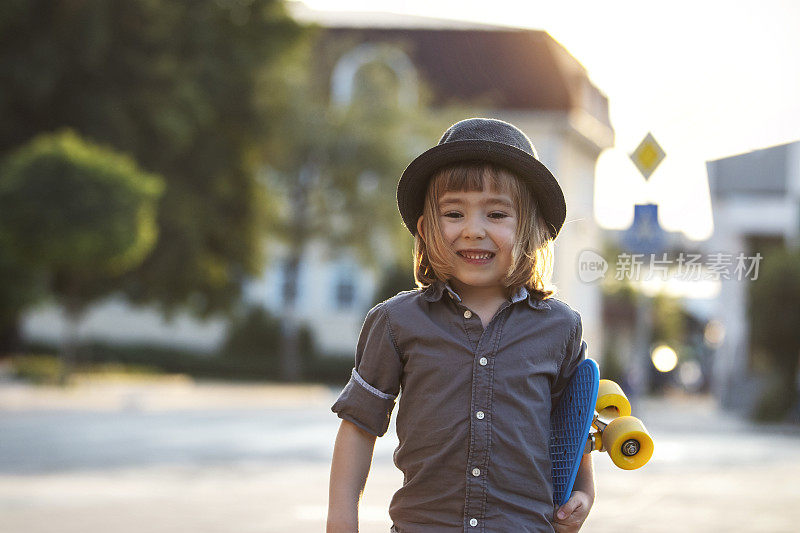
(709, 79)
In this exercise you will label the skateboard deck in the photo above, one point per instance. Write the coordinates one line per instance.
(570, 425)
(593, 414)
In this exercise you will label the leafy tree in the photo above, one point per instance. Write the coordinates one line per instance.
(78, 212)
(774, 320)
(177, 85)
(20, 287)
(338, 166)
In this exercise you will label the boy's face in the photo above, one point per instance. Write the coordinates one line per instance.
(482, 222)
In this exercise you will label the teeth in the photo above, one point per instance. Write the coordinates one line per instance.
(470, 255)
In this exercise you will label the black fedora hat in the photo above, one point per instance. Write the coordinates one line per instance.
(482, 139)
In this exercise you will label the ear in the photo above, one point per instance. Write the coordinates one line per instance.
(419, 227)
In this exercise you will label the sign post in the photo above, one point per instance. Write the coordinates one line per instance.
(647, 156)
(645, 236)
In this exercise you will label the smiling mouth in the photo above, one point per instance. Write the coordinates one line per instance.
(474, 256)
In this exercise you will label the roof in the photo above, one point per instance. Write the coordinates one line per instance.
(376, 19)
(502, 67)
(763, 172)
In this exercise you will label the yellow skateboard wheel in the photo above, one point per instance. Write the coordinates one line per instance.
(628, 443)
(611, 398)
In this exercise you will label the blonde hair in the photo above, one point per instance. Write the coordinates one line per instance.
(532, 254)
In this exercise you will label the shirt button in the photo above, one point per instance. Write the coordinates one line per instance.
(476, 472)
(482, 361)
(467, 314)
(479, 415)
(473, 522)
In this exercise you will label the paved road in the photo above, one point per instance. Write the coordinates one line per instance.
(173, 455)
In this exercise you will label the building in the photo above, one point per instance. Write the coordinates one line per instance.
(756, 204)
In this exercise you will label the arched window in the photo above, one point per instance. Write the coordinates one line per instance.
(381, 58)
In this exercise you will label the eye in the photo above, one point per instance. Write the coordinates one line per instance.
(498, 215)
(452, 214)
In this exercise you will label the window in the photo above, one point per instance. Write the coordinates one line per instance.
(345, 291)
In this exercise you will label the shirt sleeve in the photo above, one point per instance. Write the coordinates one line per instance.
(369, 397)
(575, 353)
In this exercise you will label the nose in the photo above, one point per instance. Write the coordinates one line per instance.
(473, 228)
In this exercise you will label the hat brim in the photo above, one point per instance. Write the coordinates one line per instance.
(413, 183)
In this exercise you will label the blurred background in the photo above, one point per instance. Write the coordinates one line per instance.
(197, 210)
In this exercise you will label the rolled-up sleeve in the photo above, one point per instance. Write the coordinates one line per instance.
(575, 353)
(369, 397)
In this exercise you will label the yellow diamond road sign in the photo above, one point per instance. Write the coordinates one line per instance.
(647, 156)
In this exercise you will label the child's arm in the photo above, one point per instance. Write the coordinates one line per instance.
(352, 457)
(580, 502)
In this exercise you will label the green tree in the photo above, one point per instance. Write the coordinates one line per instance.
(20, 287)
(178, 86)
(81, 214)
(775, 336)
(338, 166)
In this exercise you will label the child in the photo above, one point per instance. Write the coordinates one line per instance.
(481, 351)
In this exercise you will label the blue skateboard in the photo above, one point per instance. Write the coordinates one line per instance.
(593, 415)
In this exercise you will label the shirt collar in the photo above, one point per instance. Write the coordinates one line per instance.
(436, 290)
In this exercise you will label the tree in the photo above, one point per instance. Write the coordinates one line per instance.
(774, 319)
(178, 86)
(20, 287)
(338, 166)
(81, 214)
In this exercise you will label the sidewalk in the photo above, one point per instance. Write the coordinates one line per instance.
(157, 393)
(219, 457)
(710, 472)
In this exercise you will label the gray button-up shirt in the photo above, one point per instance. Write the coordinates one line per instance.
(474, 416)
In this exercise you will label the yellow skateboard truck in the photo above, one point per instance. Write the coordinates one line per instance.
(616, 432)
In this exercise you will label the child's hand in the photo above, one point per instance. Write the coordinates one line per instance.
(570, 516)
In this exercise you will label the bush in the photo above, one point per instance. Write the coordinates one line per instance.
(255, 340)
(255, 336)
(776, 400)
(251, 352)
(47, 369)
(139, 357)
(39, 369)
(330, 369)
(394, 279)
